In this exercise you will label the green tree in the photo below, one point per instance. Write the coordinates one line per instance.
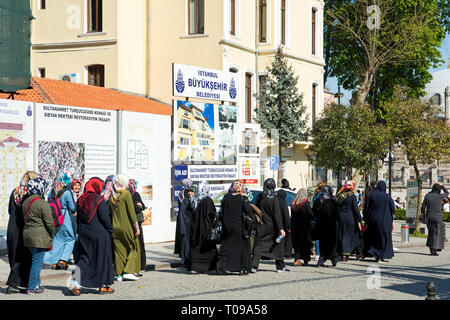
(379, 47)
(281, 104)
(424, 137)
(346, 138)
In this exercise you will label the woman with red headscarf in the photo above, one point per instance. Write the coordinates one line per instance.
(95, 265)
(349, 234)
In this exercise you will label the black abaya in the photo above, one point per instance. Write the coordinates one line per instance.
(182, 247)
(234, 254)
(327, 223)
(349, 235)
(286, 223)
(432, 205)
(301, 232)
(378, 218)
(268, 231)
(95, 238)
(18, 255)
(203, 251)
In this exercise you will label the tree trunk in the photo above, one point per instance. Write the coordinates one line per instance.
(419, 197)
(363, 89)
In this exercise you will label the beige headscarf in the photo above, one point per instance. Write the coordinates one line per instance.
(300, 198)
(21, 190)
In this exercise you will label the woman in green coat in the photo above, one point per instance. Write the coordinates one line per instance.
(38, 231)
(125, 231)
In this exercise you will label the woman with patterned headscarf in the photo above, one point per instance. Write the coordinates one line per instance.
(19, 257)
(301, 232)
(271, 227)
(38, 230)
(235, 249)
(182, 231)
(125, 230)
(203, 251)
(349, 235)
(64, 240)
(139, 208)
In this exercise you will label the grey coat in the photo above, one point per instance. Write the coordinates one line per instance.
(432, 207)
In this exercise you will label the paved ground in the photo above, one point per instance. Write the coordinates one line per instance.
(402, 278)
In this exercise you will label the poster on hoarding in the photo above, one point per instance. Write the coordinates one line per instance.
(205, 132)
(203, 83)
(80, 140)
(194, 134)
(138, 136)
(249, 137)
(16, 148)
(249, 171)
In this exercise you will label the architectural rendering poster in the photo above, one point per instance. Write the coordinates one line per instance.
(226, 138)
(248, 136)
(194, 125)
(137, 141)
(16, 149)
(66, 141)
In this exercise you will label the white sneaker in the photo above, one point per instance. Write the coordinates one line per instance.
(129, 276)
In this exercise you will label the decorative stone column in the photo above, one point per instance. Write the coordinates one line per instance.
(447, 103)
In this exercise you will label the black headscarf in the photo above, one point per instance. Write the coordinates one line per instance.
(281, 194)
(327, 193)
(436, 188)
(269, 188)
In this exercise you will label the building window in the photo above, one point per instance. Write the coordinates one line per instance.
(184, 124)
(313, 30)
(96, 74)
(41, 72)
(283, 21)
(314, 102)
(436, 99)
(262, 20)
(196, 16)
(261, 79)
(42, 5)
(248, 97)
(95, 15)
(233, 17)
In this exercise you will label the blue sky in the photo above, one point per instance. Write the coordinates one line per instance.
(445, 52)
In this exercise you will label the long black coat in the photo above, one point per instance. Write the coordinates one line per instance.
(96, 257)
(286, 223)
(268, 231)
(349, 235)
(182, 233)
(301, 232)
(432, 205)
(203, 251)
(18, 255)
(327, 222)
(378, 216)
(234, 254)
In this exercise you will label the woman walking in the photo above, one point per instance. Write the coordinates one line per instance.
(125, 231)
(95, 265)
(234, 254)
(327, 223)
(64, 240)
(284, 210)
(432, 208)
(379, 217)
(19, 257)
(203, 251)
(301, 222)
(349, 235)
(270, 229)
(139, 208)
(38, 230)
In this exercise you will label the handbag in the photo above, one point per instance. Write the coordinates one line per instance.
(215, 233)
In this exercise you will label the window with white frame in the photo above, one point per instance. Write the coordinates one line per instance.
(314, 31)
(196, 16)
(262, 12)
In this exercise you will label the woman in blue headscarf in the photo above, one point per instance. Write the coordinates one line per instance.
(64, 240)
(379, 215)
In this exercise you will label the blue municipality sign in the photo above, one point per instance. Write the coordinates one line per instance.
(180, 172)
(275, 163)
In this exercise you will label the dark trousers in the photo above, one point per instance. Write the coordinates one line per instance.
(322, 260)
(143, 255)
(257, 259)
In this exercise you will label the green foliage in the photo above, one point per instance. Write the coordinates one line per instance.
(418, 234)
(345, 138)
(373, 61)
(400, 214)
(281, 105)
